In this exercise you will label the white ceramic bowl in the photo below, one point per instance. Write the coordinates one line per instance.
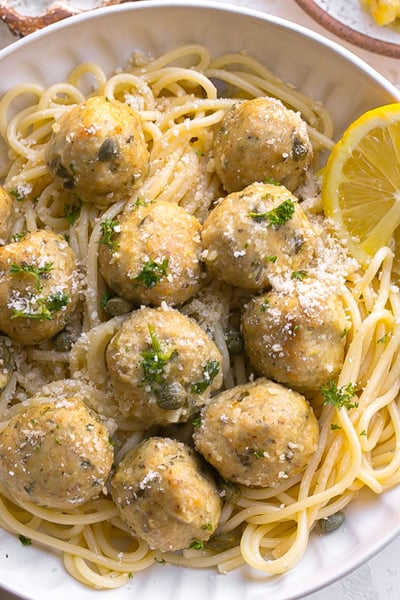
(317, 66)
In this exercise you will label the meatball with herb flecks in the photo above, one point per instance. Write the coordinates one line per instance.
(6, 214)
(296, 335)
(162, 366)
(151, 254)
(261, 139)
(257, 434)
(165, 495)
(98, 150)
(39, 285)
(257, 233)
(56, 454)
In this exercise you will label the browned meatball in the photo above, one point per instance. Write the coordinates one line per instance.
(261, 139)
(39, 284)
(56, 454)
(258, 434)
(257, 233)
(99, 151)
(296, 337)
(153, 254)
(165, 496)
(6, 214)
(163, 366)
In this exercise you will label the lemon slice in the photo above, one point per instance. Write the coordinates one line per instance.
(361, 182)
(384, 11)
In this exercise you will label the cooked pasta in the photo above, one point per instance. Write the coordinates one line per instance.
(182, 97)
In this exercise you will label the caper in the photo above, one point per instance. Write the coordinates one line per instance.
(223, 541)
(6, 361)
(63, 341)
(229, 492)
(299, 150)
(234, 341)
(222, 87)
(171, 396)
(331, 523)
(117, 306)
(63, 173)
(109, 149)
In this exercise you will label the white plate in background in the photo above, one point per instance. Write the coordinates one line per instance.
(352, 21)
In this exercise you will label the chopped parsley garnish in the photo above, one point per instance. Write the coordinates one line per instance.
(56, 302)
(277, 216)
(17, 237)
(17, 194)
(105, 297)
(299, 275)
(71, 213)
(138, 202)
(155, 360)
(272, 181)
(108, 228)
(197, 545)
(196, 422)
(210, 371)
(271, 259)
(259, 454)
(152, 272)
(36, 272)
(24, 540)
(39, 308)
(341, 397)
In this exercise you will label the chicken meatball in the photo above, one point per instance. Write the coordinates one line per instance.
(165, 495)
(39, 283)
(261, 139)
(257, 233)
(98, 150)
(258, 433)
(296, 336)
(6, 214)
(152, 254)
(56, 454)
(163, 366)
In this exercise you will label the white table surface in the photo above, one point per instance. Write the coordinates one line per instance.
(379, 578)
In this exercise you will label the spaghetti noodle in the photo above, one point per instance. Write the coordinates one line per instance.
(181, 97)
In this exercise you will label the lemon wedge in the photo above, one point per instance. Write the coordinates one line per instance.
(361, 183)
(384, 11)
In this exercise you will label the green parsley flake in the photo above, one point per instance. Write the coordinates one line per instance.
(277, 216)
(299, 275)
(18, 237)
(35, 272)
(339, 396)
(39, 308)
(197, 545)
(210, 371)
(138, 202)
(24, 540)
(155, 360)
(109, 228)
(152, 272)
(71, 213)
